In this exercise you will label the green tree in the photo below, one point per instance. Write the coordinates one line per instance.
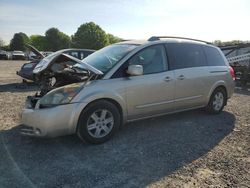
(228, 43)
(38, 41)
(91, 36)
(113, 39)
(218, 43)
(18, 41)
(233, 42)
(56, 40)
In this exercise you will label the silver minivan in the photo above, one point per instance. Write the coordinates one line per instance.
(133, 80)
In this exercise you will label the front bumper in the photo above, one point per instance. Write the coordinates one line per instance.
(51, 122)
(25, 75)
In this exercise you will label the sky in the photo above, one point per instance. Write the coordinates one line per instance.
(130, 19)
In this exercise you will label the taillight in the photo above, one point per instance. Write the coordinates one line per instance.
(232, 72)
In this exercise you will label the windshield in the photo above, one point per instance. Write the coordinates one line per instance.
(107, 57)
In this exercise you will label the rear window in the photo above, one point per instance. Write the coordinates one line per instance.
(185, 55)
(214, 58)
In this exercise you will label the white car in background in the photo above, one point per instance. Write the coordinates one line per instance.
(18, 55)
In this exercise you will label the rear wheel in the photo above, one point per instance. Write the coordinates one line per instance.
(98, 122)
(217, 101)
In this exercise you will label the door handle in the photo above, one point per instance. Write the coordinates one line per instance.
(181, 77)
(167, 79)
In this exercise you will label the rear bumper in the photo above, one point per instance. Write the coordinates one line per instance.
(51, 122)
(230, 89)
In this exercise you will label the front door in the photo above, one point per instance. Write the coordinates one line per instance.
(153, 92)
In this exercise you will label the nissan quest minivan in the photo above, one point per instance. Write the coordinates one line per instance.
(129, 81)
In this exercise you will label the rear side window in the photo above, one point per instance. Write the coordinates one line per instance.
(185, 55)
(214, 57)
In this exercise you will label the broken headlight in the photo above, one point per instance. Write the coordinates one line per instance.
(62, 95)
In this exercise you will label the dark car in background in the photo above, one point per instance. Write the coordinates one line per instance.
(58, 69)
(4, 55)
(26, 71)
(18, 55)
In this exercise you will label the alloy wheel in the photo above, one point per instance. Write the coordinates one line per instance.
(100, 123)
(218, 101)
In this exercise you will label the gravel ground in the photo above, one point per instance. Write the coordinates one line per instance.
(190, 149)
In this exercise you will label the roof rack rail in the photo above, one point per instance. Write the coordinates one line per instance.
(154, 38)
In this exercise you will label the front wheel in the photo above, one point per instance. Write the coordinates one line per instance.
(217, 101)
(98, 122)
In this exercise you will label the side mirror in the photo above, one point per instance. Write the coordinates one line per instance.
(135, 70)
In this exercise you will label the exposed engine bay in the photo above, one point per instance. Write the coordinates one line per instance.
(63, 70)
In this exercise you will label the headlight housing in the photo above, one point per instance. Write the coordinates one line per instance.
(62, 95)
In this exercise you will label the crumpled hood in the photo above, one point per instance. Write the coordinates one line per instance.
(44, 64)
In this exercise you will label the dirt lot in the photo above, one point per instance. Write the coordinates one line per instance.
(190, 149)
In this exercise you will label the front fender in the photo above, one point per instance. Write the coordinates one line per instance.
(103, 94)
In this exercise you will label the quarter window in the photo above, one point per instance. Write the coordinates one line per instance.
(214, 58)
(153, 59)
(185, 55)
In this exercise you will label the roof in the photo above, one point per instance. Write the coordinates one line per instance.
(75, 49)
(165, 39)
(135, 42)
(156, 38)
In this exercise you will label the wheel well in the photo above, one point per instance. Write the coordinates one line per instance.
(111, 101)
(115, 103)
(224, 88)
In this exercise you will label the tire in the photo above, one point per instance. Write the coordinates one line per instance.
(98, 122)
(217, 101)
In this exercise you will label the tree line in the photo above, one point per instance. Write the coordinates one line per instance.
(88, 35)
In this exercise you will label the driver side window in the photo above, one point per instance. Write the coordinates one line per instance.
(153, 59)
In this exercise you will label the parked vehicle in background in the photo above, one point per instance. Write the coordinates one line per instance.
(4, 55)
(26, 71)
(18, 55)
(43, 78)
(238, 57)
(129, 81)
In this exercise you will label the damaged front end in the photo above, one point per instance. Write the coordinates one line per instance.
(62, 70)
(68, 75)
